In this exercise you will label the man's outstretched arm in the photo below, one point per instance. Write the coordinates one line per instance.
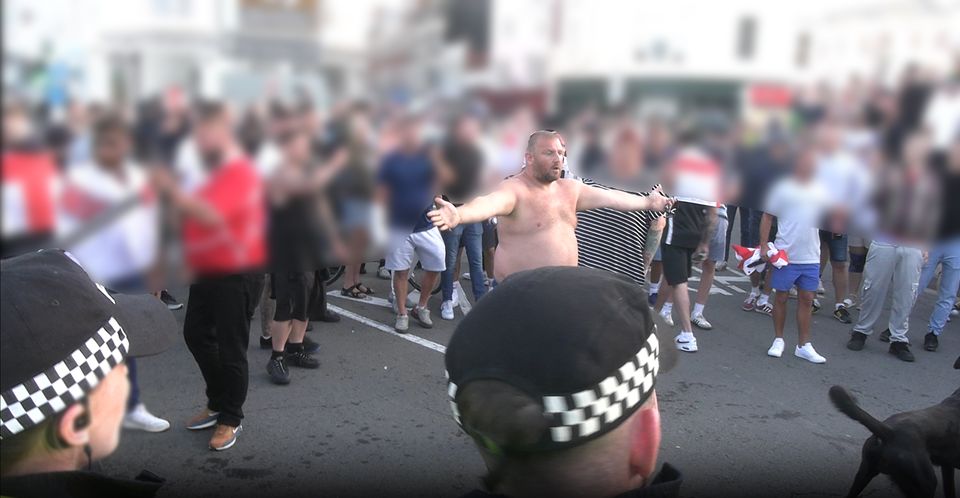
(595, 198)
(497, 203)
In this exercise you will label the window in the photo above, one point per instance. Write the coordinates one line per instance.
(746, 37)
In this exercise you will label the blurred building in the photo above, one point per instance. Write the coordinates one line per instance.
(235, 49)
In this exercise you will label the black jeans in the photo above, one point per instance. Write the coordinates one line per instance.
(217, 331)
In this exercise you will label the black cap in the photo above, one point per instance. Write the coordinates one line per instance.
(62, 333)
(581, 342)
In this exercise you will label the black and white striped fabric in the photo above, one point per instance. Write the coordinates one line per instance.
(595, 410)
(51, 391)
(613, 240)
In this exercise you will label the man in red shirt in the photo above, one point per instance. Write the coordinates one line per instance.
(223, 239)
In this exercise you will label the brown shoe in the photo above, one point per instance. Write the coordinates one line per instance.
(224, 437)
(204, 420)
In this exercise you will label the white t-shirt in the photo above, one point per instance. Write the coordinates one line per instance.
(943, 117)
(798, 208)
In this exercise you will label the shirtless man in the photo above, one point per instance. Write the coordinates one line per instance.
(536, 210)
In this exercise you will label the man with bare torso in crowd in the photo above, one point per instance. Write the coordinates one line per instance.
(536, 210)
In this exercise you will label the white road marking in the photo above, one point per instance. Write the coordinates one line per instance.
(386, 328)
(376, 301)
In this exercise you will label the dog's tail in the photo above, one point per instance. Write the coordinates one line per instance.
(849, 407)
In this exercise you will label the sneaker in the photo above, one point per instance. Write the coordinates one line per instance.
(205, 420)
(820, 290)
(686, 342)
(931, 342)
(776, 350)
(169, 300)
(701, 322)
(749, 303)
(402, 324)
(278, 371)
(902, 351)
(667, 317)
(446, 310)
(456, 292)
(816, 305)
(808, 353)
(309, 346)
(224, 437)
(652, 298)
(302, 359)
(842, 314)
(792, 293)
(848, 303)
(856, 342)
(423, 316)
(383, 273)
(329, 317)
(721, 266)
(885, 336)
(142, 420)
(466, 276)
(266, 342)
(765, 307)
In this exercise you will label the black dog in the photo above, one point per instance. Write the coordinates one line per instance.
(908, 445)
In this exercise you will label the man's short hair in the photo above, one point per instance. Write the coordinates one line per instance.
(210, 110)
(108, 124)
(537, 135)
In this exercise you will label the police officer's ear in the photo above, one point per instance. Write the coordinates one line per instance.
(73, 426)
(644, 441)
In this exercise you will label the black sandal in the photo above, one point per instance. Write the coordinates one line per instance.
(353, 292)
(364, 289)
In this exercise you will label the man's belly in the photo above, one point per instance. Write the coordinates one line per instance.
(519, 252)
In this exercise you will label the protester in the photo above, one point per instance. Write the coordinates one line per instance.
(223, 237)
(695, 177)
(123, 251)
(534, 436)
(465, 161)
(799, 203)
(945, 252)
(295, 248)
(536, 210)
(407, 179)
(68, 415)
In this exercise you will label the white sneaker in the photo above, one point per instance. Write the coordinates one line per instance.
(685, 341)
(383, 273)
(402, 323)
(446, 310)
(792, 293)
(820, 290)
(466, 276)
(808, 353)
(721, 266)
(667, 317)
(457, 290)
(776, 350)
(848, 303)
(700, 322)
(142, 420)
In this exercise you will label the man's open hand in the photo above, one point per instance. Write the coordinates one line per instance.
(446, 216)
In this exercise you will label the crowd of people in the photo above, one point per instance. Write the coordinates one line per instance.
(263, 202)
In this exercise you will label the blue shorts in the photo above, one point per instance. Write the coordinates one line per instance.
(805, 277)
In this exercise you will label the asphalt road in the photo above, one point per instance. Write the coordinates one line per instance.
(374, 420)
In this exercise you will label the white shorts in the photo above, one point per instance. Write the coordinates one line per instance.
(427, 246)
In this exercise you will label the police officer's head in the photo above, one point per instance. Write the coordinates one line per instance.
(64, 384)
(553, 374)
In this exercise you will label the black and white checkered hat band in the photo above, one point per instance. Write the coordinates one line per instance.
(46, 394)
(585, 413)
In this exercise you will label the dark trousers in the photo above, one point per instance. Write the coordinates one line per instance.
(217, 331)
